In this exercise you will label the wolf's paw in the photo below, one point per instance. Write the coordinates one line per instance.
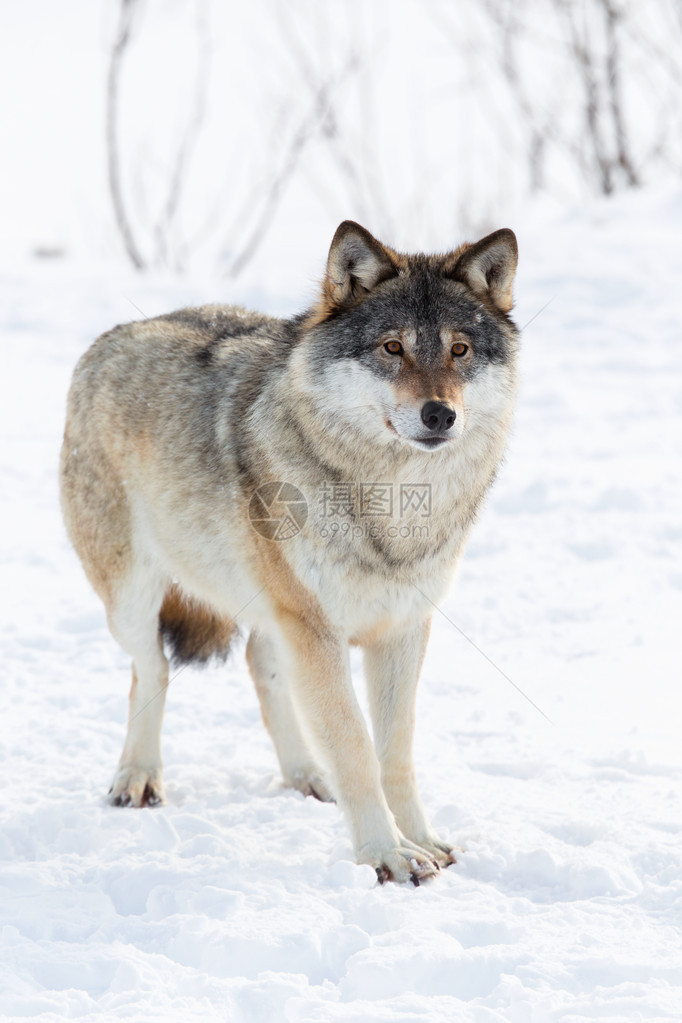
(404, 863)
(444, 853)
(136, 786)
(309, 781)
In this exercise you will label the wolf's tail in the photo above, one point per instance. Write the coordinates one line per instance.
(194, 631)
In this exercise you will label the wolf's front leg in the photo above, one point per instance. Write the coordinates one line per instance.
(319, 670)
(299, 769)
(392, 667)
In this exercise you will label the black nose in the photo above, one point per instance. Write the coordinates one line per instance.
(437, 416)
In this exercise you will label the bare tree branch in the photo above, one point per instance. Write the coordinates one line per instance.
(613, 66)
(359, 185)
(585, 65)
(312, 125)
(189, 139)
(113, 143)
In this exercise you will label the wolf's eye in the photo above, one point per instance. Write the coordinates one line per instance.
(459, 348)
(394, 347)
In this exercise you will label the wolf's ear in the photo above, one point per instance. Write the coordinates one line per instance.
(357, 262)
(488, 267)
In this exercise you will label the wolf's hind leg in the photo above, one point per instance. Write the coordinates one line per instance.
(297, 763)
(134, 622)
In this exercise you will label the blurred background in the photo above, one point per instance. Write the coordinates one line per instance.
(229, 139)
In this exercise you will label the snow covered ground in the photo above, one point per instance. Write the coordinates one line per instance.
(239, 901)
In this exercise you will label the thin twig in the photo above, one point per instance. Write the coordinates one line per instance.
(113, 142)
(311, 124)
(188, 142)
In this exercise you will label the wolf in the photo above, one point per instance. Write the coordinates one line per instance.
(224, 469)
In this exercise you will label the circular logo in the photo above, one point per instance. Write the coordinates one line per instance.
(278, 511)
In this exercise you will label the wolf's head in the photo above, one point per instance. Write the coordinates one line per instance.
(414, 349)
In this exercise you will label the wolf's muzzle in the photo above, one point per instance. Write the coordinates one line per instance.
(438, 416)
